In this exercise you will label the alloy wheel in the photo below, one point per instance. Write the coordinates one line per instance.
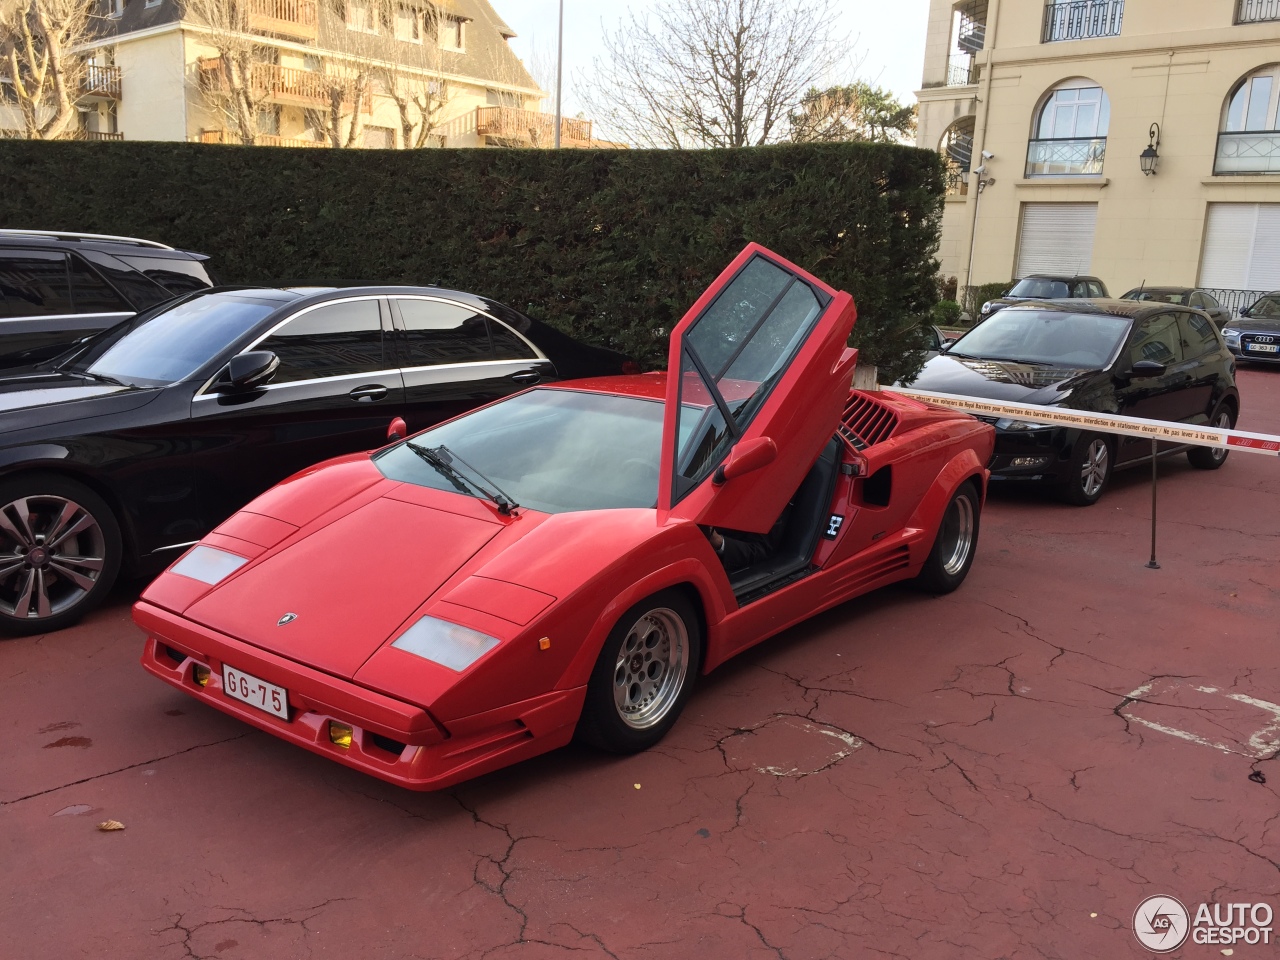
(1093, 473)
(52, 552)
(957, 535)
(653, 663)
(1222, 422)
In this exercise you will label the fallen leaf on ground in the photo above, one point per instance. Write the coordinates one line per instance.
(106, 826)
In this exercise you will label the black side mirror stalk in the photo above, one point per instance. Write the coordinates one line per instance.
(250, 370)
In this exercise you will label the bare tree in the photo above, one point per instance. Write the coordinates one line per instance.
(232, 84)
(717, 73)
(411, 71)
(859, 111)
(39, 40)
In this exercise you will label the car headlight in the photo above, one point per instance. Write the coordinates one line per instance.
(1021, 425)
(208, 564)
(986, 307)
(1231, 333)
(448, 644)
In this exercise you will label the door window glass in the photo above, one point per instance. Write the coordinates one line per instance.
(1198, 337)
(1157, 339)
(92, 294)
(507, 345)
(176, 276)
(138, 289)
(330, 341)
(33, 283)
(1095, 289)
(1209, 302)
(439, 333)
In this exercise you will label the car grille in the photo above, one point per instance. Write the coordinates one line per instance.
(1267, 344)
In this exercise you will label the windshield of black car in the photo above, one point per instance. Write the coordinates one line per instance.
(551, 450)
(171, 344)
(1083, 340)
(1039, 288)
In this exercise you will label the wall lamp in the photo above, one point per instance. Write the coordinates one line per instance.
(1151, 155)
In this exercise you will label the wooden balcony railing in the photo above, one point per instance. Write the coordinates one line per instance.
(96, 135)
(307, 88)
(262, 140)
(99, 81)
(530, 126)
(287, 18)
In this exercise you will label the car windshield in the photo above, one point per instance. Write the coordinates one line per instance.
(1159, 296)
(170, 344)
(1039, 288)
(551, 450)
(1084, 340)
(1267, 307)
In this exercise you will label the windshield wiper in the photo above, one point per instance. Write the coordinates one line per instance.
(100, 378)
(1033, 363)
(443, 459)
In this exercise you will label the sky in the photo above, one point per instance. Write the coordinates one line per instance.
(887, 34)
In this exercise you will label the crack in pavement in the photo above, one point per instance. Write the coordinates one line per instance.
(177, 923)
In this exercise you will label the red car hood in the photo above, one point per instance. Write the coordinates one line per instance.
(349, 585)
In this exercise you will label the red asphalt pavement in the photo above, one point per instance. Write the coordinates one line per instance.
(1004, 772)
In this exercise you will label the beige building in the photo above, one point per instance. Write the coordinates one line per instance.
(1045, 108)
(354, 70)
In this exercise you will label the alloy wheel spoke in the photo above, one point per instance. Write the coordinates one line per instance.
(22, 605)
(18, 532)
(42, 595)
(88, 563)
(79, 579)
(61, 531)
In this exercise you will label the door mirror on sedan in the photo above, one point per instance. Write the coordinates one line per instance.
(1147, 368)
(1244, 311)
(746, 457)
(398, 430)
(249, 370)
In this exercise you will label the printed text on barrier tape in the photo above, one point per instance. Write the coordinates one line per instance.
(1108, 423)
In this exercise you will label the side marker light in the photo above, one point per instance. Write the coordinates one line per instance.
(544, 643)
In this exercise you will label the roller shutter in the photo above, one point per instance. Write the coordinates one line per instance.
(1241, 247)
(1056, 238)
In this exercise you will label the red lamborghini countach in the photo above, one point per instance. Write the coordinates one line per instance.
(543, 567)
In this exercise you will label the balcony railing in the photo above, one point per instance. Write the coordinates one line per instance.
(261, 140)
(1257, 11)
(1257, 151)
(1081, 19)
(1077, 157)
(100, 81)
(307, 88)
(961, 71)
(96, 135)
(538, 129)
(287, 18)
(957, 182)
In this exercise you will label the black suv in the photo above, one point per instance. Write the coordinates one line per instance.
(57, 288)
(1047, 286)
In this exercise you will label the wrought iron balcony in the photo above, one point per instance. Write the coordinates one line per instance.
(286, 18)
(1257, 151)
(1082, 19)
(961, 71)
(1257, 11)
(1076, 157)
(530, 126)
(957, 182)
(99, 82)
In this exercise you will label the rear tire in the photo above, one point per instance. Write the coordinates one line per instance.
(60, 550)
(1090, 470)
(644, 675)
(1211, 458)
(956, 543)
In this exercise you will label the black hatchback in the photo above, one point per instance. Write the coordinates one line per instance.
(1138, 359)
(127, 450)
(57, 288)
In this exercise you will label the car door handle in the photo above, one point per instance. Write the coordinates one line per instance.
(526, 377)
(370, 392)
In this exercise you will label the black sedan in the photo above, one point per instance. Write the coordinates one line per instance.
(130, 448)
(1255, 335)
(1138, 359)
(1192, 297)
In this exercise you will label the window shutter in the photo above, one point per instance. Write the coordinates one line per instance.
(1056, 238)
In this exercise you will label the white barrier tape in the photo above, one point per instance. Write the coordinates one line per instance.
(1105, 422)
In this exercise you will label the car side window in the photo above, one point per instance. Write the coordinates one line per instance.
(333, 340)
(1198, 336)
(1158, 339)
(1197, 301)
(33, 283)
(1210, 303)
(507, 344)
(439, 333)
(92, 294)
(136, 287)
(1095, 289)
(175, 275)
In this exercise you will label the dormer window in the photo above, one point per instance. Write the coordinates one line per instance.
(408, 24)
(453, 34)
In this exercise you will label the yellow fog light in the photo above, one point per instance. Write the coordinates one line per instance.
(340, 734)
(200, 674)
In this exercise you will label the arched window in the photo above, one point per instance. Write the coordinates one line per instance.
(1069, 138)
(1249, 134)
(957, 147)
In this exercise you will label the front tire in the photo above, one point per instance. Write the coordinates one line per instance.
(1090, 470)
(1211, 458)
(644, 675)
(60, 550)
(956, 543)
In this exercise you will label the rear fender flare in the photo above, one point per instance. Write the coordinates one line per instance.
(964, 466)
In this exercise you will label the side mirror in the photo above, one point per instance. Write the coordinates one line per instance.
(249, 370)
(1244, 312)
(398, 430)
(745, 458)
(1147, 368)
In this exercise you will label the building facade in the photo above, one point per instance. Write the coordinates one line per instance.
(1044, 109)
(315, 73)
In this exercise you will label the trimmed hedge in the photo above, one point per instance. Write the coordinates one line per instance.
(611, 246)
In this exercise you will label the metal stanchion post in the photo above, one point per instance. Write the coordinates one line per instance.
(1151, 564)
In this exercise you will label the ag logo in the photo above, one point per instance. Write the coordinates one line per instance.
(287, 618)
(1161, 924)
(833, 526)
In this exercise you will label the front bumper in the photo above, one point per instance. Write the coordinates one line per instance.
(1247, 349)
(1043, 455)
(391, 739)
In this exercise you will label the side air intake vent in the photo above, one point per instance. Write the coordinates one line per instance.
(866, 422)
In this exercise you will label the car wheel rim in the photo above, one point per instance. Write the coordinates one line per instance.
(1222, 423)
(1094, 472)
(653, 662)
(52, 551)
(957, 535)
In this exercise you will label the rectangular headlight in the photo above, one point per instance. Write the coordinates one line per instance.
(1005, 423)
(448, 644)
(208, 564)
